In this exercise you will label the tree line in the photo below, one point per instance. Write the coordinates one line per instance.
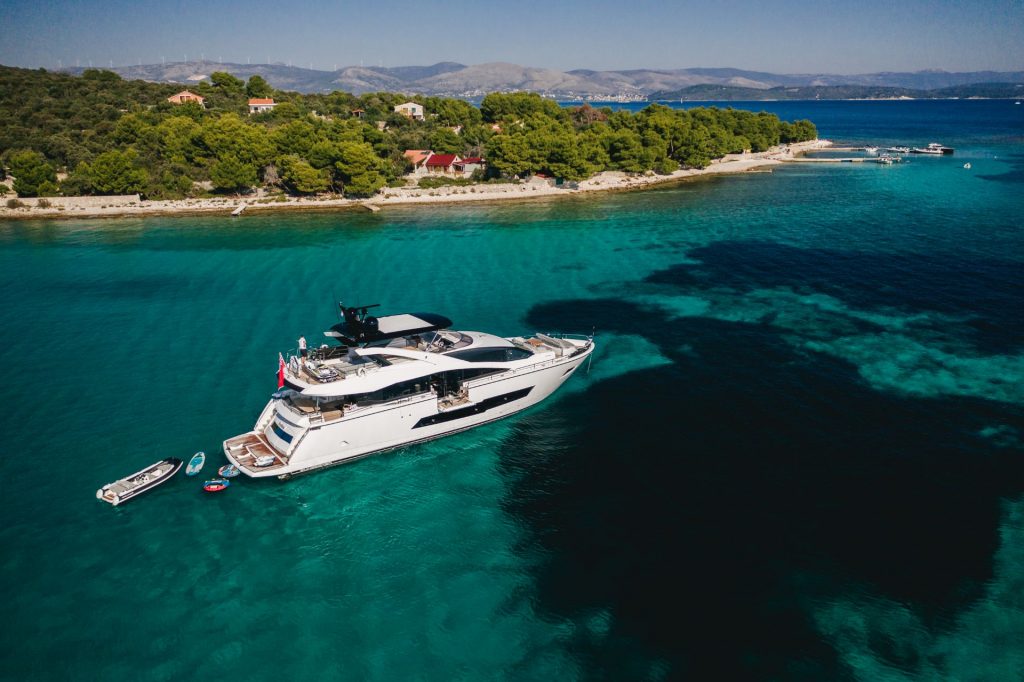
(100, 134)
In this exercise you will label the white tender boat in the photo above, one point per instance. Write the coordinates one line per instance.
(397, 380)
(128, 487)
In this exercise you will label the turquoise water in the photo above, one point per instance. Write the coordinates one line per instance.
(798, 453)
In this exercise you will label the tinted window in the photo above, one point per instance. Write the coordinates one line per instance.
(281, 433)
(507, 354)
(392, 392)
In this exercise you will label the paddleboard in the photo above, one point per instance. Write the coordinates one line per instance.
(195, 464)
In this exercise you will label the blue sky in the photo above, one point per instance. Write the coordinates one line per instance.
(782, 36)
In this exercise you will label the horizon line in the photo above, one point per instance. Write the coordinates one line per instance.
(291, 65)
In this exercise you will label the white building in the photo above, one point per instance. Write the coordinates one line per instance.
(257, 105)
(410, 109)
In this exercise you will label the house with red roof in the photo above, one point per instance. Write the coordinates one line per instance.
(469, 164)
(257, 105)
(418, 159)
(441, 164)
(186, 96)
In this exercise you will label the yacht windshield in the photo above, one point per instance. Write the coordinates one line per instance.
(446, 340)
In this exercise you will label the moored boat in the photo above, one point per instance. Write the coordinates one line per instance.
(394, 381)
(933, 148)
(228, 471)
(216, 485)
(128, 487)
(195, 465)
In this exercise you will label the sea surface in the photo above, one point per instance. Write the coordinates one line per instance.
(798, 453)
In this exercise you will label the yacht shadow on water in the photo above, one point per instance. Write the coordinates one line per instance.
(705, 506)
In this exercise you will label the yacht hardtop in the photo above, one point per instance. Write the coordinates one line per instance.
(396, 380)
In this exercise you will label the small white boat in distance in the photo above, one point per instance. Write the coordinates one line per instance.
(933, 148)
(871, 150)
(898, 150)
(128, 487)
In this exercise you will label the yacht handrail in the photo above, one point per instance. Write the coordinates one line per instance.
(398, 353)
(326, 352)
(491, 378)
(296, 410)
(566, 335)
(266, 416)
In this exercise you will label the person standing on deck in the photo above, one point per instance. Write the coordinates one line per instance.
(302, 347)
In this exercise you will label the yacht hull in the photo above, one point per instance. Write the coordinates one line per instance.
(362, 432)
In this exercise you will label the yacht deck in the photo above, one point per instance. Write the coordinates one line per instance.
(248, 447)
(329, 364)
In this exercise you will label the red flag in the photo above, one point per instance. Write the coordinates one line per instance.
(280, 371)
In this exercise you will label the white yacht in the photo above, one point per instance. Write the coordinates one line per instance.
(396, 380)
(933, 148)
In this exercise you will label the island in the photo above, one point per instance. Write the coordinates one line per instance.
(98, 144)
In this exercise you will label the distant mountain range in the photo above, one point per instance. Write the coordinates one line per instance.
(719, 93)
(458, 80)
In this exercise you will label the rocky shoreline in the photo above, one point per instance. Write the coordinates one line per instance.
(119, 207)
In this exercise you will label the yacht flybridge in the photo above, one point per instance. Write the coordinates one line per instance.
(396, 380)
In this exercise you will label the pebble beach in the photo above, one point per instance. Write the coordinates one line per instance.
(117, 207)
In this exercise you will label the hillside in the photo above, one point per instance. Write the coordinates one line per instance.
(99, 134)
(450, 79)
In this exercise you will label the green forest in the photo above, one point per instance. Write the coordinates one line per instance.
(100, 134)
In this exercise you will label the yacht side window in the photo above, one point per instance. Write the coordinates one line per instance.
(504, 354)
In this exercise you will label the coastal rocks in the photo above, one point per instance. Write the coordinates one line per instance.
(536, 187)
